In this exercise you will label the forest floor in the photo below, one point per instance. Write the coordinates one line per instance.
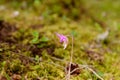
(30, 49)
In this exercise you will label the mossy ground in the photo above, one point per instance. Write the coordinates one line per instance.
(29, 48)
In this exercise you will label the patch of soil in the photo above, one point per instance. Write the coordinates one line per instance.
(93, 55)
(50, 50)
(36, 51)
(6, 30)
(37, 26)
(74, 69)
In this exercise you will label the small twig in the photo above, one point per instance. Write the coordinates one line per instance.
(29, 58)
(92, 71)
(26, 57)
(57, 65)
(95, 73)
(74, 70)
(58, 59)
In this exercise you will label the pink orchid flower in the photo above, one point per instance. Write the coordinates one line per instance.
(63, 39)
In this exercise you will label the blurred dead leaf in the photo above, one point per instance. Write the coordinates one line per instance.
(16, 77)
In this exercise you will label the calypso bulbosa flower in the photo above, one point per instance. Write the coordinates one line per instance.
(63, 39)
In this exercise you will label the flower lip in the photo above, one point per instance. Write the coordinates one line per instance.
(61, 37)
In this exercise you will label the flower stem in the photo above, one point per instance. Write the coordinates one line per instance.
(71, 58)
